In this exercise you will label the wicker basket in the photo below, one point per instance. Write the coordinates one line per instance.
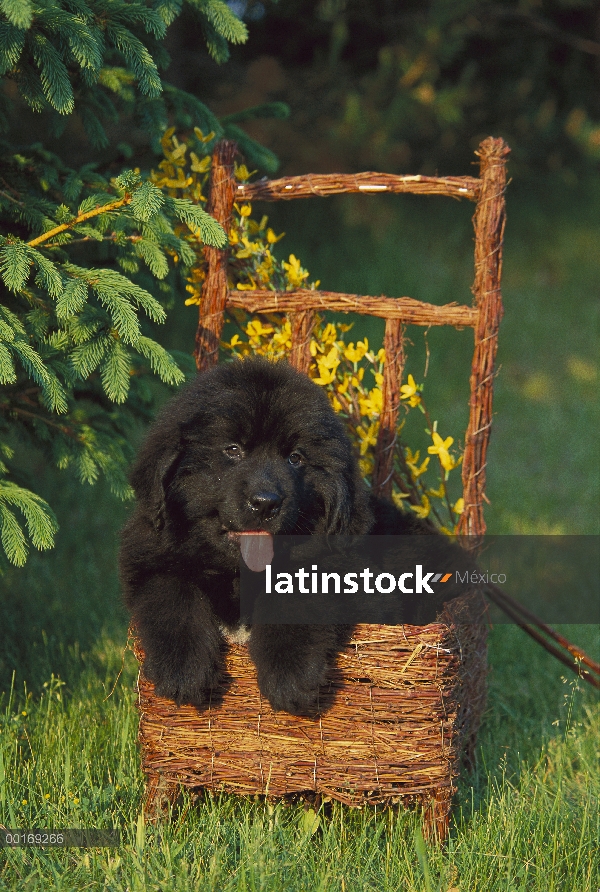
(403, 703)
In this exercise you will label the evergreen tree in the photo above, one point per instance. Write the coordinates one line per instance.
(75, 348)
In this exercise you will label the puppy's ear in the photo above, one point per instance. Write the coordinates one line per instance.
(163, 475)
(347, 506)
(150, 478)
(338, 505)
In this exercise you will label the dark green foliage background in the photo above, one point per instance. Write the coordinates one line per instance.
(415, 86)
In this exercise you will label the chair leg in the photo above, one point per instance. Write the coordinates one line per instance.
(161, 793)
(436, 817)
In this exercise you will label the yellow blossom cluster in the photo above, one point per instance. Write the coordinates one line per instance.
(181, 170)
(252, 264)
(273, 340)
(184, 174)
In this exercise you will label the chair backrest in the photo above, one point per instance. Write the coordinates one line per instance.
(301, 306)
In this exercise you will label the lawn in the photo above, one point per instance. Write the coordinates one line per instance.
(527, 817)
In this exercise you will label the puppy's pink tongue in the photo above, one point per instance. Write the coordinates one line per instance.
(257, 549)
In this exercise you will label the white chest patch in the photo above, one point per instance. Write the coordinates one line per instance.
(239, 633)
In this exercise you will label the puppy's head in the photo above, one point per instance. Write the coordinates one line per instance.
(249, 445)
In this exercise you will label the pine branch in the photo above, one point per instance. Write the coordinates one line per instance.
(114, 237)
(63, 428)
(11, 198)
(80, 218)
(39, 519)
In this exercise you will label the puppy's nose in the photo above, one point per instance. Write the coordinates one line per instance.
(266, 504)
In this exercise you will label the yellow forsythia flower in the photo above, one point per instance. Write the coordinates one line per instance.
(343, 386)
(272, 238)
(410, 392)
(412, 462)
(366, 465)
(423, 509)
(440, 448)
(255, 329)
(355, 354)
(372, 404)
(325, 376)
(398, 498)
(241, 172)
(367, 436)
(295, 274)
(329, 334)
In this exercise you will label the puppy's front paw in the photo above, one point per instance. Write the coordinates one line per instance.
(184, 678)
(292, 663)
(294, 689)
(182, 688)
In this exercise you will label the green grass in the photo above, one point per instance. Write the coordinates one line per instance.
(527, 816)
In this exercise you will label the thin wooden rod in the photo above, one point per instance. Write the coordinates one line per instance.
(313, 185)
(501, 598)
(514, 613)
(387, 436)
(489, 220)
(214, 288)
(302, 327)
(403, 309)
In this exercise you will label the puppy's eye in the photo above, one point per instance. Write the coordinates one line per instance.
(233, 451)
(295, 459)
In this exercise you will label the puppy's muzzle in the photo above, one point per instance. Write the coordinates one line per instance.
(265, 505)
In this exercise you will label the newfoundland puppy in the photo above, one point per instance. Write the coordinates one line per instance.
(247, 446)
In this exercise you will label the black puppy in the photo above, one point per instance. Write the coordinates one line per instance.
(248, 446)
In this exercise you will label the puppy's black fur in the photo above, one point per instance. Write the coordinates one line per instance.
(247, 445)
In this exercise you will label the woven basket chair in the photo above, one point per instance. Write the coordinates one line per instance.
(406, 700)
